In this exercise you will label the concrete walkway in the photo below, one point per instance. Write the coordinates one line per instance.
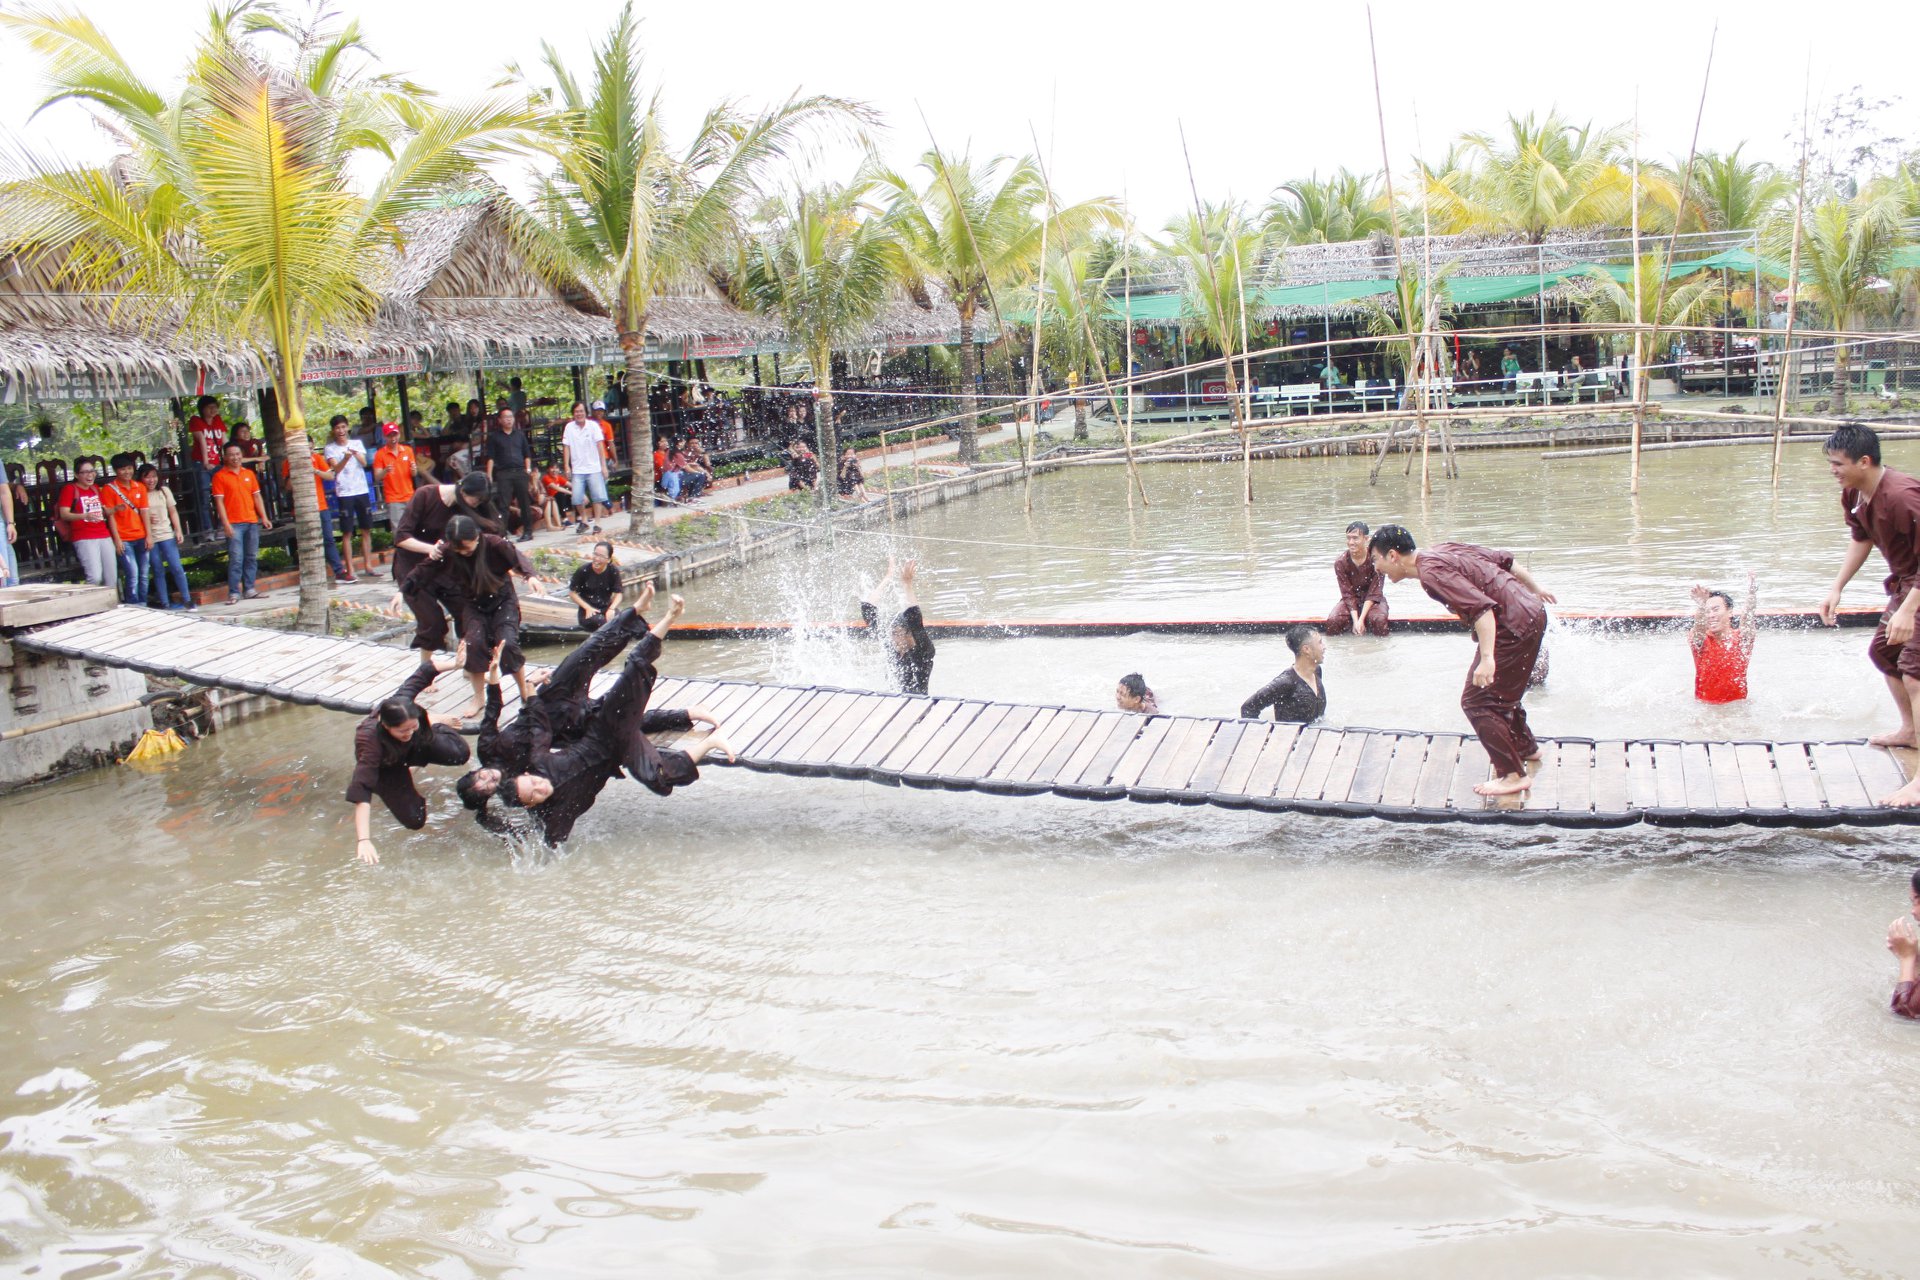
(374, 591)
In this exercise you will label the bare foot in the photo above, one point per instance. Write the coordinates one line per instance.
(1512, 784)
(1906, 797)
(1898, 738)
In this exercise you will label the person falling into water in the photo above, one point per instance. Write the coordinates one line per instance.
(1297, 695)
(1882, 509)
(389, 745)
(1720, 650)
(908, 646)
(1132, 694)
(560, 785)
(1903, 939)
(1504, 607)
(1363, 597)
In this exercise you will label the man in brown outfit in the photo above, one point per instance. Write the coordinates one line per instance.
(1363, 597)
(1882, 509)
(1502, 603)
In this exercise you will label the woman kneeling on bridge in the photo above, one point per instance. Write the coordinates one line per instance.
(1502, 603)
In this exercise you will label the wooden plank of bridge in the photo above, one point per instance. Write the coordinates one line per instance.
(1219, 754)
(1758, 778)
(823, 724)
(1253, 738)
(806, 726)
(1283, 760)
(1133, 762)
(1696, 771)
(995, 744)
(1793, 769)
(259, 664)
(1021, 749)
(1879, 772)
(1314, 769)
(1397, 785)
(1669, 782)
(187, 655)
(1545, 792)
(1609, 790)
(359, 682)
(942, 739)
(859, 721)
(104, 632)
(864, 750)
(1643, 786)
(963, 744)
(764, 716)
(1053, 763)
(1361, 782)
(131, 644)
(1724, 765)
(1021, 766)
(1839, 782)
(894, 758)
(1472, 769)
(677, 694)
(1436, 772)
(1576, 777)
(1179, 753)
(1104, 747)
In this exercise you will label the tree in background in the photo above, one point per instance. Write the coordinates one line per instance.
(261, 207)
(1346, 206)
(640, 219)
(1078, 317)
(1846, 254)
(825, 263)
(1540, 176)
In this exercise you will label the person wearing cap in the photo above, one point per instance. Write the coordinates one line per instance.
(394, 469)
(612, 437)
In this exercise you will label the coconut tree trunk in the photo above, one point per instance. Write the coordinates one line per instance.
(969, 388)
(1842, 361)
(633, 345)
(306, 507)
(826, 435)
(1081, 405)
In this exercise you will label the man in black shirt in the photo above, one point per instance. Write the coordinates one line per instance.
(595, 588)
(510, 467)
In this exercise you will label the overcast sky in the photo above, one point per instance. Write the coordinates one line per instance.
(1265, 91)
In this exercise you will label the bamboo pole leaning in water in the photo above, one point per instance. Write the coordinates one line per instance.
(1639, 333)
(1226, 341)
(1126, 349)
(1600, 451)
(1788, 373)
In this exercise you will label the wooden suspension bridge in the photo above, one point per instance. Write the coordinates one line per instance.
(967, 744)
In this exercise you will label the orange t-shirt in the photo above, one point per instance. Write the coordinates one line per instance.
(1719, 668)
(397, 484)
(126, 501)
(555, 484)
(237, 488)
(606, 429)
(319, 483)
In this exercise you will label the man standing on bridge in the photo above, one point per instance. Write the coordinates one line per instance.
(1882, 509)
(1502, 603)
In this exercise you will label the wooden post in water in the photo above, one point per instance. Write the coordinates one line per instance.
(1787, 369)
(1126, 348)
(1639, 334)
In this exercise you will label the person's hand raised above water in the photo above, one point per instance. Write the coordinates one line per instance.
(1900, 939)
(1700, 594)
(907, 571)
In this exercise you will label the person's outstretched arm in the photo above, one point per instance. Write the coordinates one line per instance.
(1527, 581)
(1857, 553)
(1747, 633)
(1906, 992)
(1697, 635)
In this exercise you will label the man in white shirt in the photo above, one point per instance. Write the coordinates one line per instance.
(348, 459)
(584, 446)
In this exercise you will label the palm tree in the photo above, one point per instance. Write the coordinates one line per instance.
(1540, 176)
(639, 219)
(1416, 304)
(1347, 206)
(975, 228)
(238, 211)
(1077, 318)
(826, 265)
(1219, 251)
(1846, 250)
(1737, 195)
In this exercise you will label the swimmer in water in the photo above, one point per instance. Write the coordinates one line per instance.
(909, 647)
(1132, 694)
(1720, 651)
(390, 744)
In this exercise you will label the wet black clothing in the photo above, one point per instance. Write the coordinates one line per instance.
(484, 621)
(614, 739)
(426, 519)
(557, 713)
(597, 589)
(1293, 700)
(913, 669)
(383, 765)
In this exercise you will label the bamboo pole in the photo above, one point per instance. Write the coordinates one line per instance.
(1126, 342)
(1033, 369)
(1399, 257)
(1224, 333)
(1787, 371)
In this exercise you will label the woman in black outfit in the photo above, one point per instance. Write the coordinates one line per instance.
(473, 579)
(909, 648)
(416, 540)
(1297, 695)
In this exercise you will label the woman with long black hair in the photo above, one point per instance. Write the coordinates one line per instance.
(416, 540)
(473, 580)
(389, 744)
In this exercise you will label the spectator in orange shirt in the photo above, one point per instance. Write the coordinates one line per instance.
(606, 429)
(394, 468)
(125, 500)
(243, 513)
(321, 474)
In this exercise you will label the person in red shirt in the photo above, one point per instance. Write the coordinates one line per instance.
(1720, 652)
(1505, 607)
(207, 432)
(394, 467)
(125, 499)
(243, 514)
(95, 541)
(1882, 510)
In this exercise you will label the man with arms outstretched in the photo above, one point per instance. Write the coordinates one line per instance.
(1503, 605)
(1882, 510)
